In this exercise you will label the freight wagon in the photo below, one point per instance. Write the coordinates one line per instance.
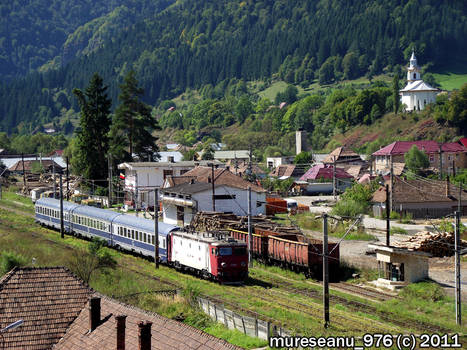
(292, 251)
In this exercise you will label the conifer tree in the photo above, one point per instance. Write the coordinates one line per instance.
(133, 124)
(92, 144)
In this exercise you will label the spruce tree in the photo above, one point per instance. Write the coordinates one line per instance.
(91, 147)
(133, 124)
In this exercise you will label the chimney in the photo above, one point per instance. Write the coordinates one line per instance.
(448, 192)
(209, 179)
(94, 313)
(171, 159)
(120, 319)
(144, 335)
(192, 181)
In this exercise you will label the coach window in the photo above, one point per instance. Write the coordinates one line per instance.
(132, 234)
(145, 238)
(152, 240)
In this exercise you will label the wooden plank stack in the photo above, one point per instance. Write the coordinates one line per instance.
(214, 221)
(439, 244)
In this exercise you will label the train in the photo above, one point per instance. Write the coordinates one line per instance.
(291, 251)
(221, 259)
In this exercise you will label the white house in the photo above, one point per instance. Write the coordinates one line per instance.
(416, 94)
(170, 157)
(181, 202)
(274, 162)
(141, 178)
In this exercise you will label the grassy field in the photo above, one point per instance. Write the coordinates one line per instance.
(450, 81)
(284, 297)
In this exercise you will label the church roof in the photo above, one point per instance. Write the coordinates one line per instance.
(418, 85)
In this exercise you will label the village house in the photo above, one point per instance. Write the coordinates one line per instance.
(451, 156)
(343, 155)
(60, 312)
(44, 165)
(182, 197)
(319, 179)
(274, 162)
(283, 172)
(141, 178)
(421, 198)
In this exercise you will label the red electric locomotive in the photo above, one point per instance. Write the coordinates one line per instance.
(224, 260)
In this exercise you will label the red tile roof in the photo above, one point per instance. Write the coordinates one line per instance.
(52, 302)
(463, 141)
(46, 299)
(341, 153)
(221, 177)
(46, 164)
(283, 170)
(165, 333)
(419, 191)
(402, 147)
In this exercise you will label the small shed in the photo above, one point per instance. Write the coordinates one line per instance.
(397, 267)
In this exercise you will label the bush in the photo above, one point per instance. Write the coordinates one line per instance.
(350, 207)
(9, 260)
(394, 215)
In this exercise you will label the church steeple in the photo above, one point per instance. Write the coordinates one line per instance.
(413, 71)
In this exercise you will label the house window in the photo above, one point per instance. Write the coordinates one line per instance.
(167, 173)
(432, 159)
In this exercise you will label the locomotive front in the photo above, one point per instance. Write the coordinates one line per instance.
(229, 261)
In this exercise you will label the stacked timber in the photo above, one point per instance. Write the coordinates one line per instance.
(438, 244)
(214, 221)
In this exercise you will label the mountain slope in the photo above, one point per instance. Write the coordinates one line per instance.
(33, 32)
(196, 43)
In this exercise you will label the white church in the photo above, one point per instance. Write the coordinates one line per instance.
(416, 94)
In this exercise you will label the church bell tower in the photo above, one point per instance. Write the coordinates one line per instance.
(413, 71)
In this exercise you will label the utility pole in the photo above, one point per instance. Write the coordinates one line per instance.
(67, 180)
(459, 201)
(109, 163)
(62, 229)
(24, 173)
(0, 188)
(392, 184)
(213, 190)
(325, 272)
(136, 193)
(250, 235)
(457, 247)
(250, 156)
(388, 217)
(156, 227)
(53, 177)
(440, 163)
(334, 177)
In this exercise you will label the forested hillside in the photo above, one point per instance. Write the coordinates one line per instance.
(208, 43)
(34, 33)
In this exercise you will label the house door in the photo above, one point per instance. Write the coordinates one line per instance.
(180, 215)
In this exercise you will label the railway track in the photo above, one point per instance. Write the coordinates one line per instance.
(354, 305)
(362, 291)
(284, 285)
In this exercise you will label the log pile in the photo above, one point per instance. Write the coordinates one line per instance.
(214, 221)
(438, 244)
